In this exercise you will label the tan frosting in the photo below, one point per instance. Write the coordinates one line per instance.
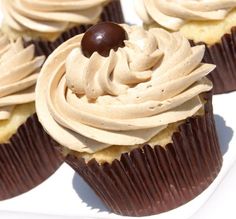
(88, 104)
(50, 16)
(173, 14)
(19, 72)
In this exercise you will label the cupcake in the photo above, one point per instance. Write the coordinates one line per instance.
(206, 22)
(132, 112)
(26, 153)
(56, 20)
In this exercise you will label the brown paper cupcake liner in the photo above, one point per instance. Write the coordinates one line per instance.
(27, 159)
(151, 180)
(112, 12)
(223, 55)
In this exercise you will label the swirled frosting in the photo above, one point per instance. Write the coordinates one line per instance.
(173, 14)
(19, 72)
(88, 104)
(50, 16)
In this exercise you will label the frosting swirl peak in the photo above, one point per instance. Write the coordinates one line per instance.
(91, 76)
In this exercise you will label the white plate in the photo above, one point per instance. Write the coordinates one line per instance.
(66, 195)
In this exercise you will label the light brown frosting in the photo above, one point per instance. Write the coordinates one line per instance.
(19, 72)
(88, 104)
(50, 16)
(173, 14)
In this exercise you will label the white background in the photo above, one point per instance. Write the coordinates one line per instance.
(65, 195)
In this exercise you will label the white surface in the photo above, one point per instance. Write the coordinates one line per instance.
(65, 195)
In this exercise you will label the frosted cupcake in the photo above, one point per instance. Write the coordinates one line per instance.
(49, 20)
(211, 22)
(132, 110)
(26, 153)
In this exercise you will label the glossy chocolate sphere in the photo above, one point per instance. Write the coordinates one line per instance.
(103, 37)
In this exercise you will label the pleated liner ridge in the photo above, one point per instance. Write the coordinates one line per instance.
(223, 55)
(149, 180)
(112, 12)
(27, 159)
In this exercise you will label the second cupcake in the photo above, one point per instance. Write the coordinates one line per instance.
(27, 155)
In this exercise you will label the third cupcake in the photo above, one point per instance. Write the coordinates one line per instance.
(212, 23)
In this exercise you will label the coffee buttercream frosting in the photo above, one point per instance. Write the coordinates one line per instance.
(50, 16)
(88, 104)
(19, 72)
(173, 14)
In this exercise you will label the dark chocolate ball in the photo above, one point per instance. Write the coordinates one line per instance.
(103, 37)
